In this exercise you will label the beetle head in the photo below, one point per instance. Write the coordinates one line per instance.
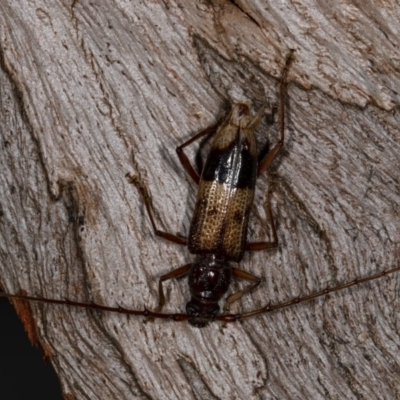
(201, 312)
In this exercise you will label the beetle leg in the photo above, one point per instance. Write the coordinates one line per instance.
(259, 116)
(174, 274)
(239, 274)
(187, 166)
(271, 155)
(256, 246)
(135, 180)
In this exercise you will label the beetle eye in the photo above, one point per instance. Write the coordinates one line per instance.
(192, 309)
(213, 311)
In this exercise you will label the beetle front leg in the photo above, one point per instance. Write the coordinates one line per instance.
(239, 274)
(174, 274)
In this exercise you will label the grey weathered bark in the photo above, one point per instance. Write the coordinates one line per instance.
(84, 86)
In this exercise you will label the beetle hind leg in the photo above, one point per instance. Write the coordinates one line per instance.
(272, 154)
(184, 160)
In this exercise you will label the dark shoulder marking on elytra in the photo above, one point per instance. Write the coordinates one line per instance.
(218, 167)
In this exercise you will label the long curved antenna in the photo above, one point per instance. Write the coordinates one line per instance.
(184, 317)
(121, 310)
(272, 307)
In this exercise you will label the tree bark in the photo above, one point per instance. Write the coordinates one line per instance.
(86, 88)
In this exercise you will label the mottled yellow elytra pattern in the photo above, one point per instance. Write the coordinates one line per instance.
(220, 218)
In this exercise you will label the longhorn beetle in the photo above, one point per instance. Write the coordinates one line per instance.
(218, 229)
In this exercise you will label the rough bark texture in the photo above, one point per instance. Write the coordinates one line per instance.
(86, 85)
